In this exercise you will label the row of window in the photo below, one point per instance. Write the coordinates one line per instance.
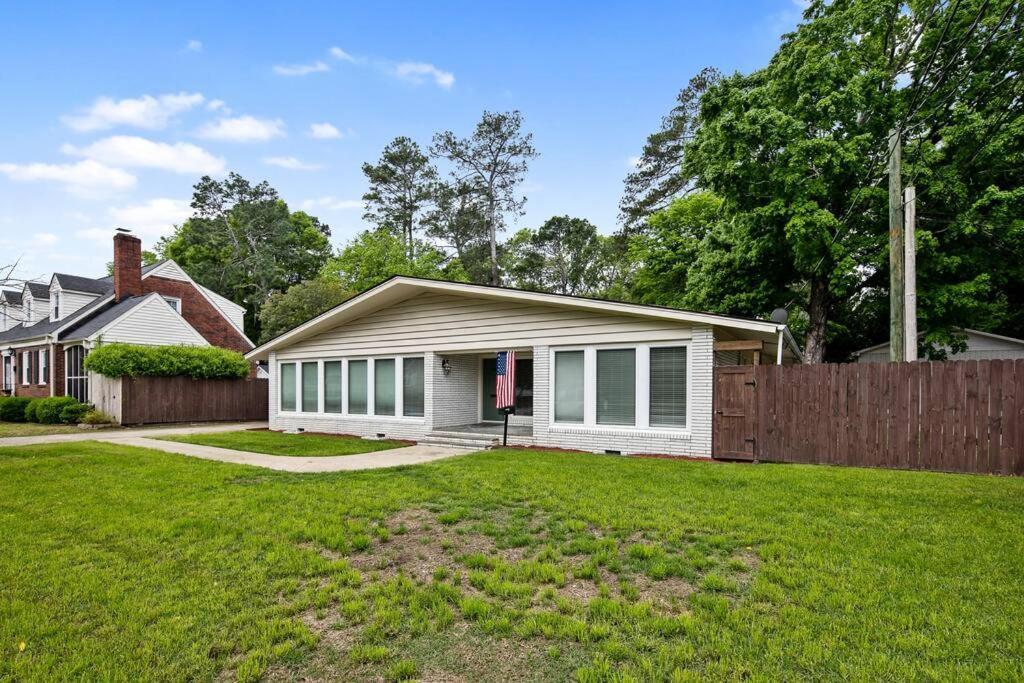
(641, 386)
(365, 386)
(35, 367)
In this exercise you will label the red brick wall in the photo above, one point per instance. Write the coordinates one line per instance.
(35, 389)
(199, 313)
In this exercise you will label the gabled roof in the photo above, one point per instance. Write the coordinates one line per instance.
(10, 296)
(38, 290)
(401, 287)
(77, 283)
(46, 326)
(100, 320)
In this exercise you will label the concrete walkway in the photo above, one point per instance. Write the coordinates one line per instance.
(144, 438)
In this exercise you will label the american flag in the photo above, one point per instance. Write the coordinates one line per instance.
(505, 385)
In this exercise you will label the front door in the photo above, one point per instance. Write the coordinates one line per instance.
(489, 393)
(735, 422)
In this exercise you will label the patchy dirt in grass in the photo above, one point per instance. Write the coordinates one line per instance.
(669, 594)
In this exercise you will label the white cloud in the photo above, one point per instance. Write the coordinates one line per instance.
(132, 151)
(332, 203)
(338, 53)
(419, 72)
(301, 69)
(152, 218)
(243, 129)
(218, 105)
(291, 163)
(87, 178)
(47, 239)
(324, 131)
(194, 46)
(151, 113)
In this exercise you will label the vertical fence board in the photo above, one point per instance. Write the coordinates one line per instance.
(152, 400)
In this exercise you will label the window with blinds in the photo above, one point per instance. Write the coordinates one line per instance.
(568, 386)
(288, 387)
(357, 387)
(332, 386)
(310, 399)
(616, 386)
(668, 387)
(412, 387)
(384, 386)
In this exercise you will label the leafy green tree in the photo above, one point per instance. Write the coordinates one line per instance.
(797, 153)
(401, 185)
(299, 303)
(493, 161)
(375, 255)
(244, 243)
(668, 248)
(564, 255)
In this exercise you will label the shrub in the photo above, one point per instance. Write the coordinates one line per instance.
(197, 362)
(96, 417)
(30, 410)
(12, 408)
(73, 414)
(49, 409)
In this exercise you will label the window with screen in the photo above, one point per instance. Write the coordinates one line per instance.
(288, 387)
(310, 397)
(332, 386)
(357, 387)
(569, 386)
(384, 386)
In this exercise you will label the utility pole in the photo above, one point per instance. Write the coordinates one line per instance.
(910, 270)
(897, 346)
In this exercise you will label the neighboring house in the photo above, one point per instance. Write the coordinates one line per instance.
(414, 358)
(980, 346)
(57, 323)
(11, 311)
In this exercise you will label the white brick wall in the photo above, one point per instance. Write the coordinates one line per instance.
(456, 399)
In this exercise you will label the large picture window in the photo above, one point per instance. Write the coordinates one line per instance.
(412, 387)
(668, 387)
(357, 387)
(310, 396)
(288, 387)
(332, 386)
(384, 386)
(569, 386)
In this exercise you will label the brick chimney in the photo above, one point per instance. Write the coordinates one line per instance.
(127, 266)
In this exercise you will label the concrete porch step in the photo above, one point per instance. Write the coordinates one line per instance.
(460, 439)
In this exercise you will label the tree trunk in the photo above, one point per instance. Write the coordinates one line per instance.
(817, 312)
(494, 243)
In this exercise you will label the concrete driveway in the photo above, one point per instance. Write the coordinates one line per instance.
(145, 438)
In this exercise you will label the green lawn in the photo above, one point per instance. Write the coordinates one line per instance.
(35, 429)
(121, 563)
(278, 443)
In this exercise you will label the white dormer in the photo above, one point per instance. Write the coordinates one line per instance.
(69, 293)
(55, 305)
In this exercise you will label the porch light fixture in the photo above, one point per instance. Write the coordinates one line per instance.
(446, 366)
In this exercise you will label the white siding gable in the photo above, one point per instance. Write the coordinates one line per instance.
(231, 310)
(169, 270)
(152, 322)
(68, 302)
(444, 322)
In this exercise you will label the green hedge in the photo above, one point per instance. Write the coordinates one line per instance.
(12, 408)
(30, 410)
(48, 410)
(197, 362)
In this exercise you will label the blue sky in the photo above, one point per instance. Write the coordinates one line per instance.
(111, 113)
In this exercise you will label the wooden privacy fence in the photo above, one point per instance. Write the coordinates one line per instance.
(149, 400)
(960, 416)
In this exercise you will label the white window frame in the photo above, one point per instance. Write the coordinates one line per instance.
(25, 379)
(642, 392)
(174, 302)
(370, 382)
(55, 305)
(41, 364)
(68, 377)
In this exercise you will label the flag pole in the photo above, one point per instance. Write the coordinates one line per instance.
(504, 437)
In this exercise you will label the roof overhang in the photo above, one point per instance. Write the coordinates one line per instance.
(401, 287)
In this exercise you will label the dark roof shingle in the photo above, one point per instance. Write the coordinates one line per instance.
(77, 283)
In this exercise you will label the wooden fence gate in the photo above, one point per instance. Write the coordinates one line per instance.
(960, 416)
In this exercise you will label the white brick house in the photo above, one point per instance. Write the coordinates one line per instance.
(414, 358)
